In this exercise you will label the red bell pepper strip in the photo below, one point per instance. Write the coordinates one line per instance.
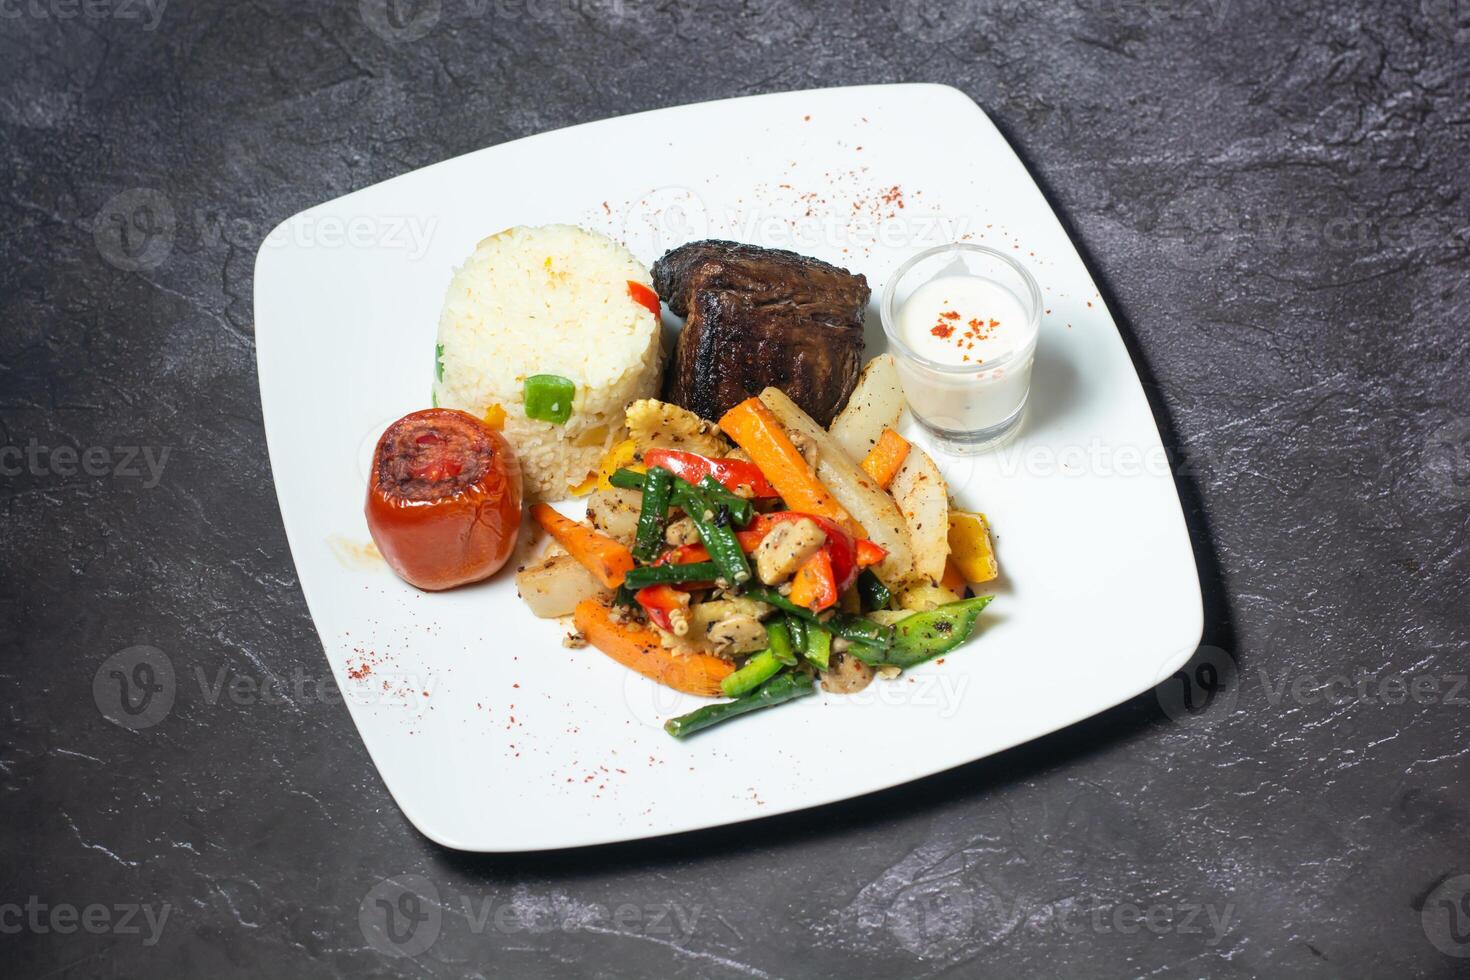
(644, 297)
(729, 473)
(685, 554)
(660, 600)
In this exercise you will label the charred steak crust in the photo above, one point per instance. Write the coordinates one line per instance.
(759, 317)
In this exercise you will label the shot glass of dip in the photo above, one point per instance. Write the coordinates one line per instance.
(962, 322)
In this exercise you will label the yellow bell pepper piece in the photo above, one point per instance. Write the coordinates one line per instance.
(970, 547)
(619, 457)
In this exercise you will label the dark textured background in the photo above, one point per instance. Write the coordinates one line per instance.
(1274, 197)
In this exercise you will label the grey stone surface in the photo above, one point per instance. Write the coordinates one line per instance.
(1274, 197)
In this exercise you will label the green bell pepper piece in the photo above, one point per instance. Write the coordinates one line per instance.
(548, 398)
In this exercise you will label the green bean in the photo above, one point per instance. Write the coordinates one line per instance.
(713, 492)
(778, 690)
(868, 654)
(859, 630)
(742, 511)
(818, 646)
(778, 636)
(771, 597)
(626, 479)
(658, 489)
(872, 591)
(797, 626)
(719, 540)
(752, 674)
(646, 575)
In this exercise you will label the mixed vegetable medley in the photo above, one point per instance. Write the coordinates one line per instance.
(759, 557)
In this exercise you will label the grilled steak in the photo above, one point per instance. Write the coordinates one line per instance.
(759, 317)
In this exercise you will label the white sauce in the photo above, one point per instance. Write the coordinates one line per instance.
(962, 320)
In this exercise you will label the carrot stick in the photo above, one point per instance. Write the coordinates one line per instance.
(757, 431)
(814, 584)
(639, 648)
(886, 458)
(599, 554)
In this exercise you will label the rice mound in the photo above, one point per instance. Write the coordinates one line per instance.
(548, 300)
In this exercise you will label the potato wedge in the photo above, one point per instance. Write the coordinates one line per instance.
(614, 512)
(876, 511)
(554, 586)
(923, 596)
(875, 405)
(923, 500)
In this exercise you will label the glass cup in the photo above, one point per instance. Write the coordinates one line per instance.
(968, 407)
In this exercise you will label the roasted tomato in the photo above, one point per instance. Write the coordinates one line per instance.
(444, 499)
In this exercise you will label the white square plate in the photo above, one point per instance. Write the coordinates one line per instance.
(494, 737)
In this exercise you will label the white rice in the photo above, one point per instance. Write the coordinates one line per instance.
(549, 300)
